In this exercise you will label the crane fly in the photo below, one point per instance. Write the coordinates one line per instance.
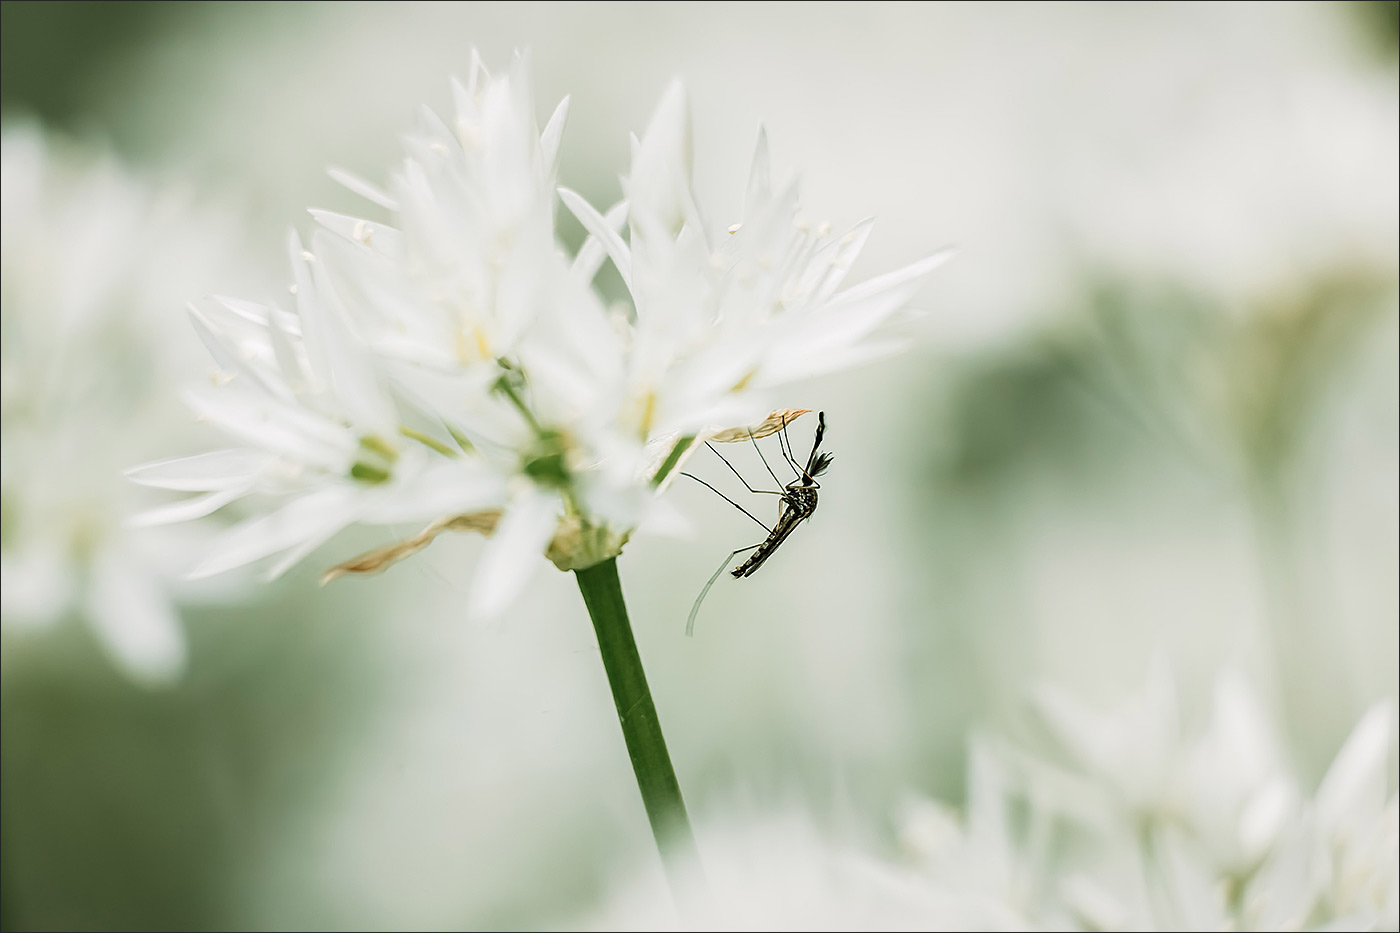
(797, 501)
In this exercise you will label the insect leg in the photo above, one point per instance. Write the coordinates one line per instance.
(785, 445)
(764, 459)
(729, 500)
(694, 610)
(769, 492)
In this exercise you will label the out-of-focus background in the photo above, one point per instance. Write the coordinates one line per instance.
(1151, 413)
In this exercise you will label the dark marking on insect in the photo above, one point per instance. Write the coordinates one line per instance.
(797, 503)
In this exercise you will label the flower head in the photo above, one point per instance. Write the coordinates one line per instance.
(455, 366)
(92, 264)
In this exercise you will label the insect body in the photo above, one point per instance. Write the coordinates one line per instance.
(798, 502)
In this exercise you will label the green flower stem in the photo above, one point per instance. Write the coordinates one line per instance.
(661, 793)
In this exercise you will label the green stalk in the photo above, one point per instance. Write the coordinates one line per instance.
(646, 746)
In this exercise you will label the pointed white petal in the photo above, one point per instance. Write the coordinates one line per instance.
(305, 519)
(759, 189)
(365, 189)
(350, 371)
(842, 257)
(513, 554)
(134, 619)
(1354, 788)
(218, 469)
(187, 509)
(664, 520)
(278, 427)
(382, 238)
(592, 253)
(552, 135)
(36, 586)
(444, 488)
(598, 227)
(899, 280)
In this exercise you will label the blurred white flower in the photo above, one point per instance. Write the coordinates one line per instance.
(93, 268)
(1214, 833)
(979, 854)
(1230, 786)
(784, 873)
(456, 367)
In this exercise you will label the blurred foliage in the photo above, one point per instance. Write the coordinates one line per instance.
(141, 809)
(49, 52)
(1380, 22)
(1138, 364)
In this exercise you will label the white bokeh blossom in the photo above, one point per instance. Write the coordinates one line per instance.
(1152, 826)
(94, 267)
(781, 871)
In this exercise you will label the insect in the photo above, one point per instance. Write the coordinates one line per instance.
(797, 502)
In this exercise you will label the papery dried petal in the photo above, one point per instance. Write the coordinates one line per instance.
(772, 424)
(381, 559)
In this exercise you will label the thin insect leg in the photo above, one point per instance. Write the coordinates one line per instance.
(768, 492)
(694, 610)
(764, 459)
(727, 499)
(785, 445)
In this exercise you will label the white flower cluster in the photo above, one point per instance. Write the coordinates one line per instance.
(1151, 830)
(457, 367)
(94, 267)
(1147, 828)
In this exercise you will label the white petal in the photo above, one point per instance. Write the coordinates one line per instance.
(662, 164)
(1354, 787)
(592, 253)
(187, 509)
(381, 238)
(36, 586)
(513, 554)
(553, 133)
(257, 314)
(664, 520)
(235, 359)
(842, 257)
(218, 469)
(759, 189)
(224, 353)
(446, 488)
(286, 429)
(365, 189)
(353, 376)
(308, 518)
(598, 226)
(134, 619)
(898, 280)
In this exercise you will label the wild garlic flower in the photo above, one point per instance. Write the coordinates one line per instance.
(1214, 831)
(455, 366)
(783, 872)
(323, 437)
(721, 319)
(93, 268)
